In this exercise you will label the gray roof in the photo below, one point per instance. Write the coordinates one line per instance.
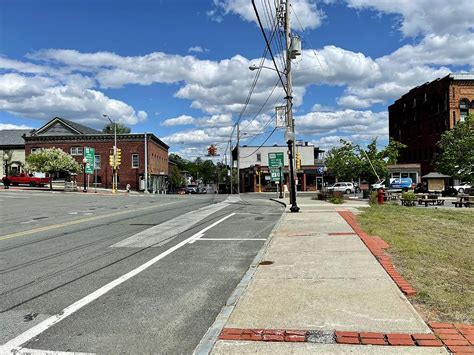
(435, 175)
(12, 137)
(81, 129)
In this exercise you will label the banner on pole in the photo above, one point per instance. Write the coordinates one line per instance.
(280, 116)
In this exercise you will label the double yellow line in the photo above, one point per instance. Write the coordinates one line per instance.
(77, 221)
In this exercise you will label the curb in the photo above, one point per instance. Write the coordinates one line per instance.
(278, 201)
(212, 335)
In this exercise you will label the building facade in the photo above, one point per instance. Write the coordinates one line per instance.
(72, 138)
(12, 151)
(419, 118)
(253, 160)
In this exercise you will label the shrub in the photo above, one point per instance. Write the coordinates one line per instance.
(410, 196)
(373, 198)
(336, 200)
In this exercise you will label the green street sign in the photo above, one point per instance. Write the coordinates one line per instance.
(275, 174)
(89, 155)
(275, 160)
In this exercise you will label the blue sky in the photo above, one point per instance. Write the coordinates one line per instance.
(179, 68)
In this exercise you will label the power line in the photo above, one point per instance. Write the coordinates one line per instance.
(261, 145)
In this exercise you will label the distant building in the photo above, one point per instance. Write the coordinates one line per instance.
(73, 137)
(420, 116)
(255, 158)
(12, 151)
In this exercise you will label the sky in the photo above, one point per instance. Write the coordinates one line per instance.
(180, 68)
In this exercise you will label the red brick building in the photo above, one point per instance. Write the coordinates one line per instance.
(73, 137)
(420, 116)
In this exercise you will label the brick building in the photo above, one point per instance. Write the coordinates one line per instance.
(73, 137)
(420, 116)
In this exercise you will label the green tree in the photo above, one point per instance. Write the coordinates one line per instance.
(343, 162)
(176, 179)
(52, 160)
(109, 128)
(351, 161)
(457, 151)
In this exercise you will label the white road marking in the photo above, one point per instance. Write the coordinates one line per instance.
(25, 351)
(162, 233)
(230, 239)
(14, 344)
(14, 196)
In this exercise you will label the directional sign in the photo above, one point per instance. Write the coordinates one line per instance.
(275, 174)
(89, 155)
(275, 160)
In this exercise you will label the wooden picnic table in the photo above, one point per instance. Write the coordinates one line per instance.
(464, 200)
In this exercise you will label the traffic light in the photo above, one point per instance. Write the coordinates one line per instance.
(119, 156)
(111, 160)
(212, 150)
(298, 160)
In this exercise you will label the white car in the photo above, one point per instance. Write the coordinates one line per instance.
(462, 186)
(346, 187)
(378, 185)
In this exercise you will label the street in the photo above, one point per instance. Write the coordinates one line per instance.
(112, 274)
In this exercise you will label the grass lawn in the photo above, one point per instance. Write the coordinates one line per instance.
(434, 250)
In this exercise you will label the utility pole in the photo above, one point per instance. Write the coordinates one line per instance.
(238, 159)
(231, 167)
(289, 108)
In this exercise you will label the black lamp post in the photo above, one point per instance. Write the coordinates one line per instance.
(281, 182)
(290, 138)
(84, 163)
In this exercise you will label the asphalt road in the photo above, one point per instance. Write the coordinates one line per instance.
(122, 274)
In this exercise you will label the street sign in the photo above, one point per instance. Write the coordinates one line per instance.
(275, 174)
(275, 160)
(89, 155)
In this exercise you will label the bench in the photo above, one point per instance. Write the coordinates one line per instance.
(462, 203)
(431, 201)
(408, 202)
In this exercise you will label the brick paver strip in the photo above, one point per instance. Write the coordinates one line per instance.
(458, 338)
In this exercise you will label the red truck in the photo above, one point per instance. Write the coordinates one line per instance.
(24, 179)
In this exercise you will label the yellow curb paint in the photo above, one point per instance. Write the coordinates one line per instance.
(77, 221)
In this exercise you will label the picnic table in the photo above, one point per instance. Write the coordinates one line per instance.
(430, 199)
(408, 202)
(464, 200)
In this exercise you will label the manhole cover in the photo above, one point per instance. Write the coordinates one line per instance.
(266, 262)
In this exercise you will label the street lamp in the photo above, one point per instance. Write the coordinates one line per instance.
(84, 163)
(114, 176)
(290, 139)
(256, 67)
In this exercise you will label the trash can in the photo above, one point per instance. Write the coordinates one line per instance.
(365, 193)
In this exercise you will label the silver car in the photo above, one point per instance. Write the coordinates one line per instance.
(346, 187)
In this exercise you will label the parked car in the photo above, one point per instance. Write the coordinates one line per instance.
(191, 189)
(461, 188)
(346, 187)
(378, 185)
(24, 179)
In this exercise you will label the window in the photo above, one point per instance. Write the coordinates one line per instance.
(464, 110)
(414, 102)
(425, 98)
(259, 157)
(97, 162)
(135, 161)
(76, 150)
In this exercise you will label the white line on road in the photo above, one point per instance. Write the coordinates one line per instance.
(230, 239)
(14, 344)
(25, 351)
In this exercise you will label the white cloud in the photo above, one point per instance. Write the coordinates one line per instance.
(197, 49)
(42, 98)
(307, 12)
(425, 16)
(4, 126)
(178, 121)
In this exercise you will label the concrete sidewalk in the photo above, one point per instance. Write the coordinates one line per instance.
(318, 276)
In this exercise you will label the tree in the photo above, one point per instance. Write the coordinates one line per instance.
(351, 161)
(343, 162)
(52, 160)
(457, 151)
(109, 128)
(176, 179)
